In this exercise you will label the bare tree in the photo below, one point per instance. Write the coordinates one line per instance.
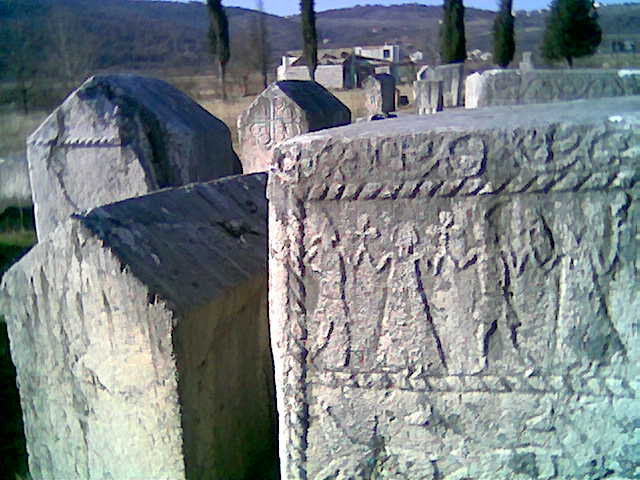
(72, 48)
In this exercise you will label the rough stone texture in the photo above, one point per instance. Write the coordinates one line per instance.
(15, 189)
(121, 136)
(428, 95)
(526, 64)
(139, 332)
(452, 76)
(284, 110)
(513, 87)
(379, 93)
(455, 297)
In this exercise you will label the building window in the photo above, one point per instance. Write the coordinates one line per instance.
(386, 53)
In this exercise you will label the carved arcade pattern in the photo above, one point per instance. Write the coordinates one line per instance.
(373, 312)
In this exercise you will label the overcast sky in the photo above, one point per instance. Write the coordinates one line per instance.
(290, 7)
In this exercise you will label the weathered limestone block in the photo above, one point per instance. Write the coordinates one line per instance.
(526, 64)
(284, 110)
(15, 189)
(121, 136)
(380, 93)
(455, 297)
(517, 87)
(140, 336)
(428, 95)
(452, 76)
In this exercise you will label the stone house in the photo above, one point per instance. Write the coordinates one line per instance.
(343, 68)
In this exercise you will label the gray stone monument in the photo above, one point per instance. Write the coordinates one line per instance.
(455, 297)
(515, 87)
(379, 92)
(139, 333)
(120, 136)
(284, 110)
(452, 76)
(526, 64)
(428, 95)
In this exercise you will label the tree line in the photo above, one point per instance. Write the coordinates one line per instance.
(572, 31)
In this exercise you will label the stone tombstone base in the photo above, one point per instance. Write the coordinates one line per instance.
(139, 332)
(380, 92)
(519, 87)
(455, 297)
(121, 136)
(428, 95)
(284, 110)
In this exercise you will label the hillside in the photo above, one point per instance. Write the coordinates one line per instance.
(148, 35)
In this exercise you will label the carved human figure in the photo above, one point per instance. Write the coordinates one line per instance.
(407, 337)
(456, 293)
(329, 330)
(591, 247)
(528, 259)
(367, 281)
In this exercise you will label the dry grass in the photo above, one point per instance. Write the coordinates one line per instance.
(229, 111)
(15, 127)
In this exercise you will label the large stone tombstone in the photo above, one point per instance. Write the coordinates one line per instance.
(379, 92)
(139, 333)
(456, 297)
(284, 110)
(526, 64)
(428, 95)
(121, 136)
(518, 87)
(452, 76)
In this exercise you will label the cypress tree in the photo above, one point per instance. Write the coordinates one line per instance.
(453, 46)
(572, 30)
(219, 39)
(309, 36)
(504, 45)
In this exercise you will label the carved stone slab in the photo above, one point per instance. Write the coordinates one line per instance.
(452, 76)
(140, 337)
(428, 95)
(380, 94)
(284, 110)
(526, 64)
(455, 297)
(514, 87)
(121, 136)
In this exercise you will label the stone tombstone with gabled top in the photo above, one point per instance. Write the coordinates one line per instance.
(139, 332)
(379, 92)
(428, 95)
(456, 296)
(284, 110)
(121, 136)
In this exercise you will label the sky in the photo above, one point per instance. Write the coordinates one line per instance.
(291, 7)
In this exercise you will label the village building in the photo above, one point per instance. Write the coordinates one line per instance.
(347, 68)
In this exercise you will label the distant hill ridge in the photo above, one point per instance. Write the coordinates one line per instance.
(141, 34)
